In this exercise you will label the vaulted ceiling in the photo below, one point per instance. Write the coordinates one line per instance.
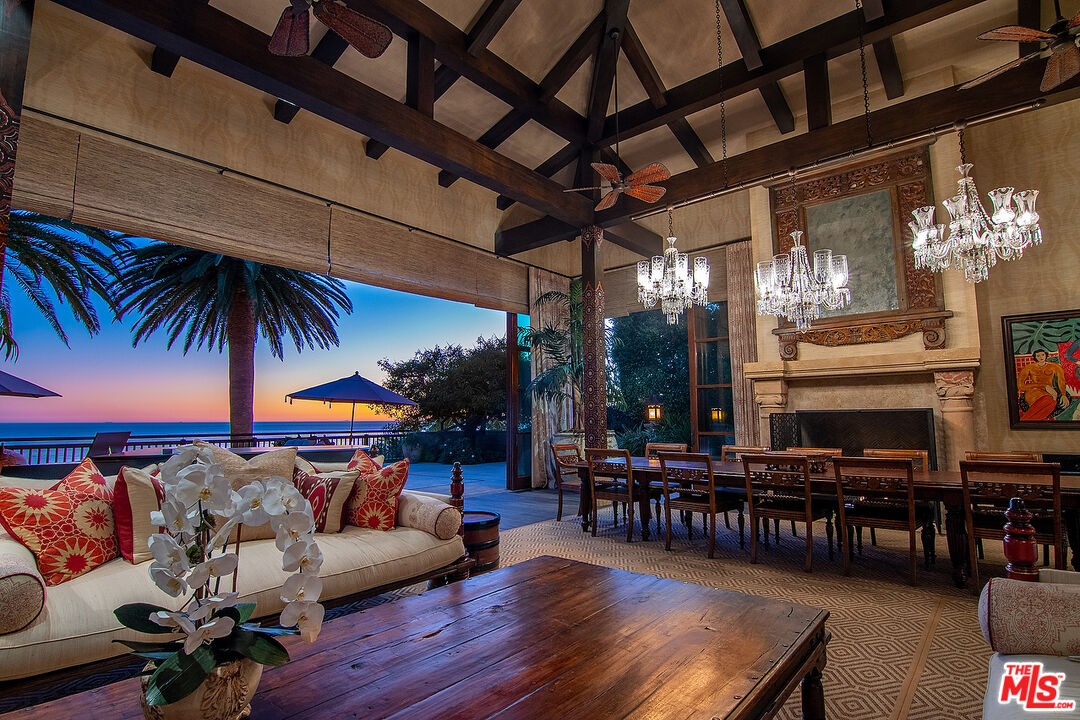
(517, 95)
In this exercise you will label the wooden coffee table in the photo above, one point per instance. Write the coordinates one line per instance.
(545, 638)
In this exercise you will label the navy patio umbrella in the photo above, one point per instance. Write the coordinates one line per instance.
(351, 389)
(17, 387)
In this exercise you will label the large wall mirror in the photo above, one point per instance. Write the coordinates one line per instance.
(859, 210)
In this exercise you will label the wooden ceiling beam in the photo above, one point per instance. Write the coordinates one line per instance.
(164, 62)
(750, 47)
(375, 149)
(1029, 14)
(892, 123)
(509, 124)
(491, 20)
(220, 42)
(607, 55)
(889, 67)
(575, 56)
(563, 157)
(691, 142)
(873, 9)
(818, 98)
(832, 38)
(420, 75)
(445, 78)
(485, 69)
(778, 107)
(547, 230)
(328, 51)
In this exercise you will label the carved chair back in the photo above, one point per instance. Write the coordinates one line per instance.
(776, 476)
(694, 481)
(651, 449)
(733, 452)
(874, 481)
(921, 457)
(1010, 456)
(610, 474)
(567, 455)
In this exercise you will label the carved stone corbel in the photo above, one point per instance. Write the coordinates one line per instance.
(956, 392)
(771, 396)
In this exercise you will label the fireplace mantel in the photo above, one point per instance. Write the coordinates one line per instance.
(934, 361)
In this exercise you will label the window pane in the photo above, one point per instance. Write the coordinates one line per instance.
(714, 444)
(716, 410)
(711, 321)
(714, 362)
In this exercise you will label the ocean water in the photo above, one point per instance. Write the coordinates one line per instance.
(178, 429)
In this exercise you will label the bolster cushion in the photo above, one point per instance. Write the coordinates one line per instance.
(428, 514)
(1019, 617)
(22, 590)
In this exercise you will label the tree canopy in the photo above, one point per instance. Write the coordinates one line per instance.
(453, 387)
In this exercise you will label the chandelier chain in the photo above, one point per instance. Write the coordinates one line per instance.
(723, 113)
(670, 223)
(865, 83)
(616, 84)
(960, 135)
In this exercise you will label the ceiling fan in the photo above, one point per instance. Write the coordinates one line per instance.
(635, 185)
(1059, 42)
(290, 36)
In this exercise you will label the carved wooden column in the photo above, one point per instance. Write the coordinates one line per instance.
(956, 390)
(15, 20)
(594, 387)
(770, 396)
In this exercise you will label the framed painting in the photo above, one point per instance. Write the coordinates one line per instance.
(1042, 369)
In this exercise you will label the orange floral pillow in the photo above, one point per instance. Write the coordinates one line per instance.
(374, 501)
(69, 527)
(362, 461)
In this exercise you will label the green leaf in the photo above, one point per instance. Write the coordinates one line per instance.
(179, 676)
(142, 647)
(246, 611)
(270, 630)
(257, 646)
(137, 617)
(154, 655)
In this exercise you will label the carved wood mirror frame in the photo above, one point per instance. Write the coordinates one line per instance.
(921, 305)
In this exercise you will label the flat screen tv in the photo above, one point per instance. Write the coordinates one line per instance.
(853, 430)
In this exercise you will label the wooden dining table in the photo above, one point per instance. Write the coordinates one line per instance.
(942, 486)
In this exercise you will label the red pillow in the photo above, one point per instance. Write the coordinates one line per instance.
(328, 494)
(374, 501)
(69, 528)
(136, 495)
(362, 461)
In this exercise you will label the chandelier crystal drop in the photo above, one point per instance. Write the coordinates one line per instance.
(975, 240)
(669, 280)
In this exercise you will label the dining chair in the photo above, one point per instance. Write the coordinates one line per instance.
(922, 464)
(989, 485)
(880, 492)
(611, 478)
(778, 487)
(733, 453)
(651, 449)
(1008, 456)
(657, 494)
(567, 475)
(690, 486)
(801, 450)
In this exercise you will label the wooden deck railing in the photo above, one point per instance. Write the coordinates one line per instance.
(41, 451)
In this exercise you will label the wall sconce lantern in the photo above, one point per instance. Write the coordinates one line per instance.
(717, 415)
(653, 411)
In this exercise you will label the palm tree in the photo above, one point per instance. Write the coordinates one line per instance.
(211, 299)
(76, 262)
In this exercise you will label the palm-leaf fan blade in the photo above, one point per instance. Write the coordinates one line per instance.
(647, 193)
(1017, 33)
(607, 201)
(608, 172)
(1075, 21)
(654, 172)
(1061, 66)
(999, 70)
(371, 38)
(291, 34)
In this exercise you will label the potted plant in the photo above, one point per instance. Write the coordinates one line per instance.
(211, 661)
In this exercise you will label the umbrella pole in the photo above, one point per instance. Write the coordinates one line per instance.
(351, 421)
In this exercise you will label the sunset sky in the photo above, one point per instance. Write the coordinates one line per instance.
(104, 379)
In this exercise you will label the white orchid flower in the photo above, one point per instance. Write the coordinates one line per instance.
(301, 587)
(221, 538)
(176, 620)
(292, 499)
(181, 458)
(168, 581)
(213, 604)
(306, 615)
(216, 628)
(204, 484)
(292, 528)
(168, 553)
(259, 503)
(303, 555)
(174, 517)
(214, 567)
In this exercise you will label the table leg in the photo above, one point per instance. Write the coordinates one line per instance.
(956, 535)
(1072, 532)
(644, 511)
(585, 505)
(813, 696)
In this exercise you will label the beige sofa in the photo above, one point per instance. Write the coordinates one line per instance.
(1029, 622)
(77, 626)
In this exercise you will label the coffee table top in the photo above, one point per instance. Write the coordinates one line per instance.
(544, 638)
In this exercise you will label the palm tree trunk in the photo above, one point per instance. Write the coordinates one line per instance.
(241, 338)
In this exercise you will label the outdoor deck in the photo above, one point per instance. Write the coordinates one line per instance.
(485, 489)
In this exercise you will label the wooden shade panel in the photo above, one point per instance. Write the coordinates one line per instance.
(45, 173)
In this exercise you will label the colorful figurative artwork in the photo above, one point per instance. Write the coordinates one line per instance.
(1042, 366)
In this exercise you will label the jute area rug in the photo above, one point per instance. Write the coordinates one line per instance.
(897, 651)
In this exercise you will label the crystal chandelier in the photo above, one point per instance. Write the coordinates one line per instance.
(668, 279)
(788, 287)
(976, 239)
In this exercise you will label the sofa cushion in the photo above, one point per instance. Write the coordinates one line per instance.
(373, 503)
(69, 529)
(428, 514)
(137, 494)
(1068, 689)
(1019, 617)
(364, 463)
(78, 625)
(22, 589)
(327, 493)
(240, 472)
